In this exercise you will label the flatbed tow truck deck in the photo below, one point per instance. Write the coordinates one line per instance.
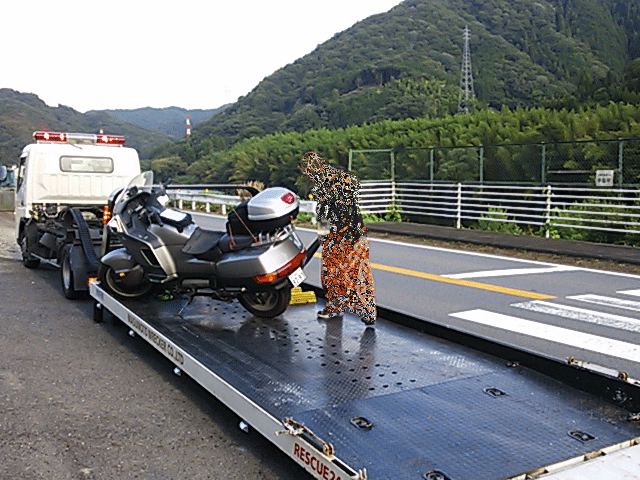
(345, 401)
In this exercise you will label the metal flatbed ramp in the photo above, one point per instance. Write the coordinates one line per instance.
(389, 401)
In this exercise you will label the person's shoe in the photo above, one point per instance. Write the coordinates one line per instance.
(368, 323)
(323, 314)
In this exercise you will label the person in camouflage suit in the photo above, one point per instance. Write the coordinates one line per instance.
(346, 273)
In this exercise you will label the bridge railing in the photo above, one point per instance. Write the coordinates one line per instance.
(550, 208)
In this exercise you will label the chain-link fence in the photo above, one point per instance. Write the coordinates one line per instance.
(575, 163)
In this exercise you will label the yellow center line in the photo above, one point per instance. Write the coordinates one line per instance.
(464, 283)
(460, 282)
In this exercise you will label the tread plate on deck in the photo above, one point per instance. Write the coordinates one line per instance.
(425, 397)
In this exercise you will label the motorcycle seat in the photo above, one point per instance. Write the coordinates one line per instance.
(203, 244)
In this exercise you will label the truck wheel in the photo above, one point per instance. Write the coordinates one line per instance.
(268, 304)
(131, 286)
(27, 259)
(67, 277)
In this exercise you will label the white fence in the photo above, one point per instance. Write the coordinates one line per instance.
(547, 207)
(462, 205)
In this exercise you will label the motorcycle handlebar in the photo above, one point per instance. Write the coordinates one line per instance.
(150, 214)
(155, 217)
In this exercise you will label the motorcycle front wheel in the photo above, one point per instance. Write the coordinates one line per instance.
(129, 286)
(267, 304)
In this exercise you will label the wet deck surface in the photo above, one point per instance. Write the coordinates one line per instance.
(433, 405)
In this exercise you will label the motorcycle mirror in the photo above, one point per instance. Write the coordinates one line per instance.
(163, 185)
(163, 200)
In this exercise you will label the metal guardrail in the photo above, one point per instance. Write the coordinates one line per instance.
(548, 207)
(194, 198)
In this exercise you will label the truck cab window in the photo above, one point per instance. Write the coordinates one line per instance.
(21, 165)
(86, 164)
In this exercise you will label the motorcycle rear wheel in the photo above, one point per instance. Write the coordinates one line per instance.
(267, 304)
(121, 289)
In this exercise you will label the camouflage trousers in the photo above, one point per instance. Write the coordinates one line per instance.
(346, 276)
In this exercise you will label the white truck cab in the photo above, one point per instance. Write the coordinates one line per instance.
(70, 169)
(64, 181)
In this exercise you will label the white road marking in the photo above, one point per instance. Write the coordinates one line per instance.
(486, 255)
(583, 315)
(461, 252)
(563, 336)
(635, 293)
(514, 271)
(607, 301)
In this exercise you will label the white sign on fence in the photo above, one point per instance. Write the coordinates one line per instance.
(604, 178)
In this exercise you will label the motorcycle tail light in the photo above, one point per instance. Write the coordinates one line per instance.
(106, 214)
(289, 267)
(288, 198)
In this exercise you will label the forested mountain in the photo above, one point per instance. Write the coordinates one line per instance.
(603, 111)
(405, 63)
(23, 113)
(274, 159)
(170, 120)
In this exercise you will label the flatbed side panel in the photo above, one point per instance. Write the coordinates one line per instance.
(300, 447)
(391, 400)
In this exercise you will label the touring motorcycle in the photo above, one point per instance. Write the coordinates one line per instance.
(257, 259)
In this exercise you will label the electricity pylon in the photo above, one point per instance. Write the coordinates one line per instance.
(466, 77)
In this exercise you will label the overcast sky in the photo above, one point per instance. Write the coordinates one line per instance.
(136, 53)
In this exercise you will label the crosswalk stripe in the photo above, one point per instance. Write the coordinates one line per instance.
(564, 336)
(581, 314)
(508, 272)
(635, 293)
(607, 301)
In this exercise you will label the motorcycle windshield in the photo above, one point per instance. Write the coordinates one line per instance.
(145, 179)
(141, 182)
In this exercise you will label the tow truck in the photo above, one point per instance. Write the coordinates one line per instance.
(64, 181)
(406, 400)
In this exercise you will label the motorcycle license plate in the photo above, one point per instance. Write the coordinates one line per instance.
(297, 277)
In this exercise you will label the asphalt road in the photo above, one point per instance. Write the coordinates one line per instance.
(80, 400)
(551, 309)
(556, 310)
